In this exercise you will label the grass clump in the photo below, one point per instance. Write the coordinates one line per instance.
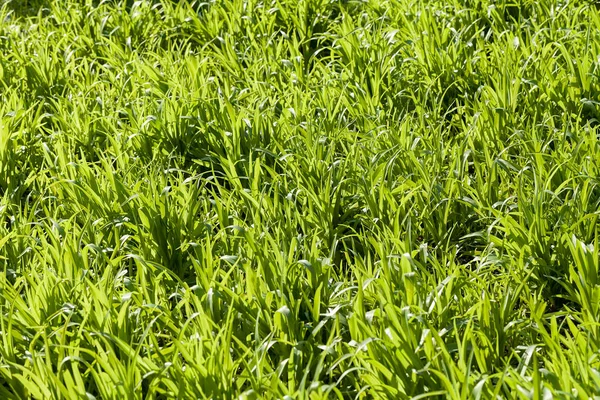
(299, 199)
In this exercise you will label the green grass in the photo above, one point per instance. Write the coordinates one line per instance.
(299, 199)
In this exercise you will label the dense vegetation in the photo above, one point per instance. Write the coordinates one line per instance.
(299, 199)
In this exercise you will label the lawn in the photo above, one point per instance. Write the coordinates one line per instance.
(299, 199)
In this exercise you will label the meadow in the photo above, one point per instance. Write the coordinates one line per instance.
(299, 199)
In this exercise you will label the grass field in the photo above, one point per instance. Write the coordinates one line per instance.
(302, 199)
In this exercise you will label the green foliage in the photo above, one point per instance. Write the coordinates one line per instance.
(299, 199)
